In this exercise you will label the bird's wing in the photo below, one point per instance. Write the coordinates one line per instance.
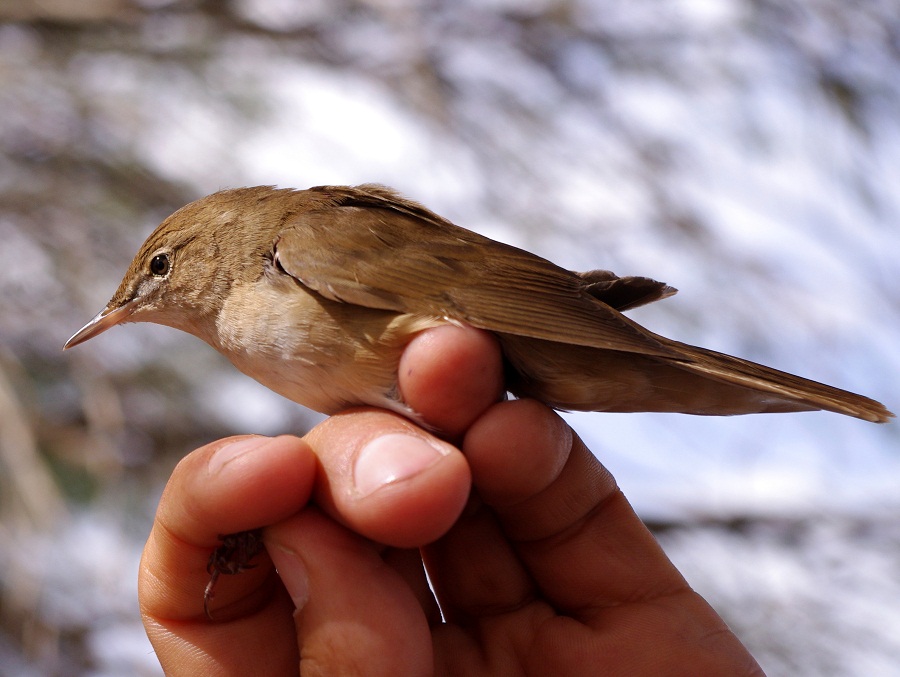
(374, 249)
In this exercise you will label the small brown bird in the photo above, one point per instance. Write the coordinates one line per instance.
(315, 293)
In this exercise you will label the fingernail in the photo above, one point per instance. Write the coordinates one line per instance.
(233, 450)
(293, 574)
(392, 458)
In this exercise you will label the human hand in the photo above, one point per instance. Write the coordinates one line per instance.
(545, 570)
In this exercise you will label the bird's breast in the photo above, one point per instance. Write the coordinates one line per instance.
(322, 354)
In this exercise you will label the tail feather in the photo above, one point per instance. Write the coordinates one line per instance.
(692, 381)
(780, 384)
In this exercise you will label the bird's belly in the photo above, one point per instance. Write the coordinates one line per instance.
(319, 353)
(322, 387)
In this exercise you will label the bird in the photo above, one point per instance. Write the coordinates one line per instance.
(315, 293)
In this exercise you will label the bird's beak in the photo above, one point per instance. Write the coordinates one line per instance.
(106, 318)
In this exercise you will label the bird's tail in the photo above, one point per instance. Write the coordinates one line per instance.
(690, 380)
(780, 385)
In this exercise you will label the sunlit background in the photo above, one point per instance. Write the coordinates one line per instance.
(745, 151)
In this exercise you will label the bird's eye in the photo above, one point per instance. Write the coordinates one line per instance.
(159, 265)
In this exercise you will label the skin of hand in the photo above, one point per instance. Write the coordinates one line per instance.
(542, 569)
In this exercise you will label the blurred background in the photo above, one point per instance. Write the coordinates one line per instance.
(745, 151)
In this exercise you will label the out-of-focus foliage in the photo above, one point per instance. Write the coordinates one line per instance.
(748, 151)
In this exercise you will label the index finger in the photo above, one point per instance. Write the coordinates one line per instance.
(410, 487)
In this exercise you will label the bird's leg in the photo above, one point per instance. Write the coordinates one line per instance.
(232, 557)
